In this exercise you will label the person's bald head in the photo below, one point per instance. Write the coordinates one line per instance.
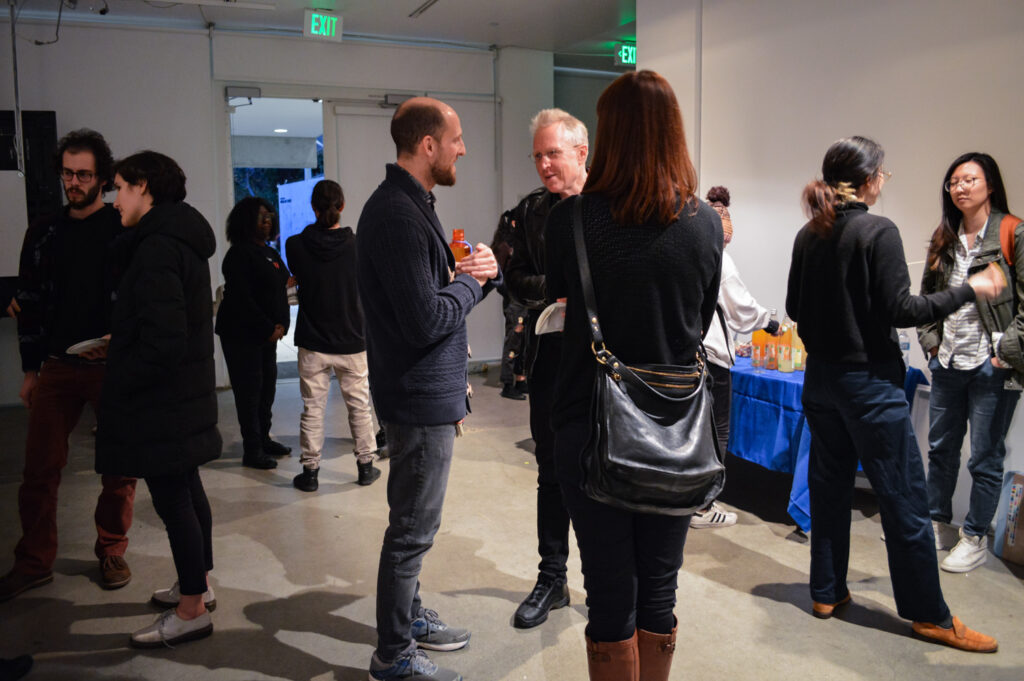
(417, 118)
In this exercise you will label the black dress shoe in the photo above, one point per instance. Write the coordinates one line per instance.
(307, 480)
(548, 595)
(367, 473)
(260, 460)
(276, 448)
(510, 392)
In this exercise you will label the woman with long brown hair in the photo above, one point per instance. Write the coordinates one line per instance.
(848, 288)
(655, 253)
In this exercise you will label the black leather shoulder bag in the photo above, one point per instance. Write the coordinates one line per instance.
(652, 446)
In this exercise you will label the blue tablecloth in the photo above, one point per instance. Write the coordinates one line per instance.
(767, 426)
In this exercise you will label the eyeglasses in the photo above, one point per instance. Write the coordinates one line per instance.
(967, 183)
(84, 176)
(885, 174)
(552, 155)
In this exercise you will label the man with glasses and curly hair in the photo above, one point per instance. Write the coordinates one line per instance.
(64, 295)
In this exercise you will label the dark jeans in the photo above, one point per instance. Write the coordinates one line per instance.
(721, 393)
(181, 503)
(958, 397)
(630, 560)
(860, 411)
(512, 349)
(421, 457)
(252, 368)
(60, 396)
(552, 516)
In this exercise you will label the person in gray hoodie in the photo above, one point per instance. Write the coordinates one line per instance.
(329, 334)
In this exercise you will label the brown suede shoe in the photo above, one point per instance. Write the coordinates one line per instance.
(958, 636)
(114, 571)
(825, 610)
(14, 583)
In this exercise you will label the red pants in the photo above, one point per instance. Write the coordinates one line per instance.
(60, 395)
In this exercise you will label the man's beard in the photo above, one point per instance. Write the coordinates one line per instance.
(444, 176)
(87, 201)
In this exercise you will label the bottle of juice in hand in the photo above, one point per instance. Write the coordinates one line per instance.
(460, 247)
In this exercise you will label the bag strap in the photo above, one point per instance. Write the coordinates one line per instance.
(610, 362)
(1006, 228)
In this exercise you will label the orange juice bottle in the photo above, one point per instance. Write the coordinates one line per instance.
(460, 248)
(771, 349)
(799, 353)
(786, 347)
(757, 348)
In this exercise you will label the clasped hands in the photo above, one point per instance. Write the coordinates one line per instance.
(480, 264)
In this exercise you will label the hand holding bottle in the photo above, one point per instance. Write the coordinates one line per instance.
(988, 283)
(480, 264)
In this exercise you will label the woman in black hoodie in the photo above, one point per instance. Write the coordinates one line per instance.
(251, 319)
(158, 408)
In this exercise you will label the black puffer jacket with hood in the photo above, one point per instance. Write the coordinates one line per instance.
(330, 319)
(158, 408)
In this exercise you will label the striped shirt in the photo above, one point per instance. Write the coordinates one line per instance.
(965, 345)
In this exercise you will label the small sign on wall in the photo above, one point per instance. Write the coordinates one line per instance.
(322, 25)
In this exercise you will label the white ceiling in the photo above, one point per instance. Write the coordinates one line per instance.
(301, 117)
(564, 26)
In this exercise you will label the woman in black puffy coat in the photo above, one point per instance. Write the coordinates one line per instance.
(253, 316)
(158, 408)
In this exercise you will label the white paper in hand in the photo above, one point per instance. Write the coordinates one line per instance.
(552, 319)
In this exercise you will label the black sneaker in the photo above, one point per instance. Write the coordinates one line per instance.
(276, 448)
(546, 596)
(307, 480)
(431, 633)
(260, 460)
(411, 666)
(510, 392)
(368, 473)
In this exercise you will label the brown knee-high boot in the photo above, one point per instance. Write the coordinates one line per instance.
(615, 661)
(655, 652)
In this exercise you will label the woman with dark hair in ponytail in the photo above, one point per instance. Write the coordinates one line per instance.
(848, 288)
(253, 316)
(974, 352)
(329, 335)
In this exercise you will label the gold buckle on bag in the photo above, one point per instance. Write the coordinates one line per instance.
(602, 356)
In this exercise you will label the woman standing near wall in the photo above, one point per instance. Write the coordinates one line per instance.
(253, 316)
(655, 253)
(158, 408)
(848, 288)
(974, 352)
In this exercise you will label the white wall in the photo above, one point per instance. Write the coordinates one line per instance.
(578, 94)
(163, 89)
(526, 85)
(780, 81)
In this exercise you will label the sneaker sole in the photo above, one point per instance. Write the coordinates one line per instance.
(443, 647)
(164, 605)
(42, 581)
(110, 586)
(959, 569)
(523, 624)
(184, 638)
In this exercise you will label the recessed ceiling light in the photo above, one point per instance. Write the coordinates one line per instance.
(280, 129)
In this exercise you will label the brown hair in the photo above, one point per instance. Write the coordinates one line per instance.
(414, 120)
(640, 158)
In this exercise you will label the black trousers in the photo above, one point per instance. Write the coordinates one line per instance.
(721, 392)
(512, 349)
(552, 515)
(252, 368)
(181, 503)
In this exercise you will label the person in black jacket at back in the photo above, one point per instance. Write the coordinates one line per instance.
(329, 334)
(158, 406)
(251, 319)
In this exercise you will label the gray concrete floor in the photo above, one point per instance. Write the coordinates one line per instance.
(295, 576)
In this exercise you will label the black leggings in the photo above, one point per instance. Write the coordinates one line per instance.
(721, 391)
(181, 503)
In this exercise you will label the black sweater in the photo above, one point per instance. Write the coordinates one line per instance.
(847, 291)
(255, 294)
(656, 288)
(330, 317)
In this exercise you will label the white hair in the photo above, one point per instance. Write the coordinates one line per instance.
(575, 131)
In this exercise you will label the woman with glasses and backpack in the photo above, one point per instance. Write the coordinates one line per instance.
(976, 354)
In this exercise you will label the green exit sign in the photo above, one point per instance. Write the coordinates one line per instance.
(625, 54)
(321, 25)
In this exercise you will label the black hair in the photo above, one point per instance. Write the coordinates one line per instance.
(946, 232)
(243, 225)
(85, 139)
(328, 200)
(164, 178)
(848, 164)
(719, 194)
(412, 122)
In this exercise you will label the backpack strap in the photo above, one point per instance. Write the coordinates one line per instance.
(1006, 229)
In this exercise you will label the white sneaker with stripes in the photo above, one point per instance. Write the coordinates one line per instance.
(712, 517)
